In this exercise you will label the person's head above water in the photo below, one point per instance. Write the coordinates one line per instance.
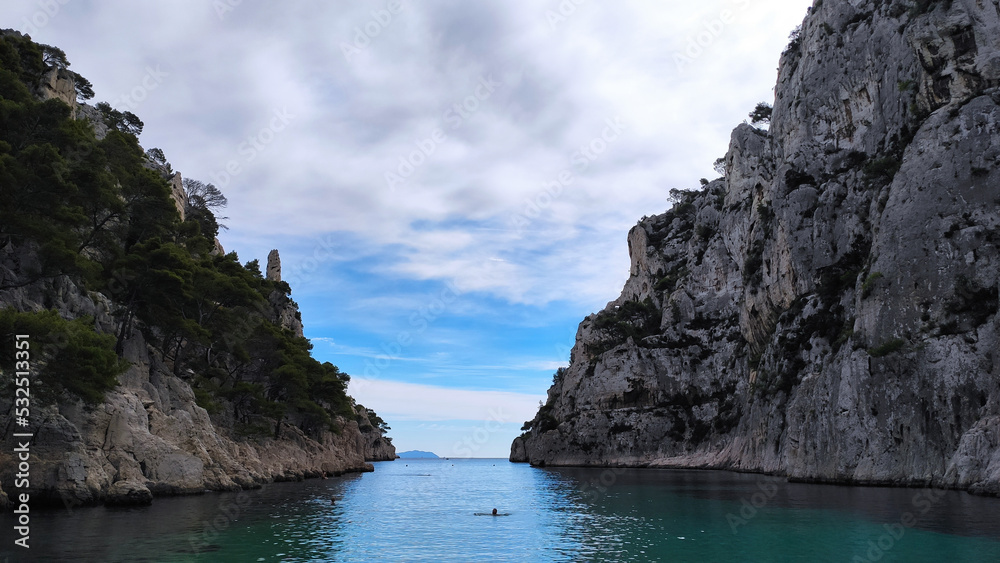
(494, 512)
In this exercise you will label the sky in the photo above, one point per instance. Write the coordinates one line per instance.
(450, 184)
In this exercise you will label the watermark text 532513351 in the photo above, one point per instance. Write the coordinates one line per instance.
(22, 439)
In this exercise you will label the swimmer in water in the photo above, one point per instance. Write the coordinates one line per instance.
(494, 512)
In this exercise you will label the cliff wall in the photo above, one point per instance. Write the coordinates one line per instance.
(143, 321)
(150, 437)
(828, 309)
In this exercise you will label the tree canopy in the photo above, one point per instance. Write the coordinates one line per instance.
(761, 114)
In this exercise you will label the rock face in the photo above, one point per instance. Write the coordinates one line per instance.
(828, 310)
(128, 493)
(286, 311)
(274, 266)
(374, 445)
(96, 121)
(150, 437)
(177, 194)
(60, 84)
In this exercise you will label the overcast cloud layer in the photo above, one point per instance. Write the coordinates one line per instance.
(401, 153)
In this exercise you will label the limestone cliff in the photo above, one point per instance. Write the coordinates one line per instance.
(162, 364)
(59, 84)
(827, 310)
(285, 311)
(150, 437)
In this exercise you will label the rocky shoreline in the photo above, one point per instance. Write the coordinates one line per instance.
(150, 438)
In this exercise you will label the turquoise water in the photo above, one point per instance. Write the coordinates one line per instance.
(424, 510)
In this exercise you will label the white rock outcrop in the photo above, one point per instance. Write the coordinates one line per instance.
(274, 266)
(59, 84)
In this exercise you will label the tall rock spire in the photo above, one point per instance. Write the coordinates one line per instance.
(274, 266)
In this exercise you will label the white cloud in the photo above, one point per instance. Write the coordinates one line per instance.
(355, 119)
(396, 401)
(546, 365)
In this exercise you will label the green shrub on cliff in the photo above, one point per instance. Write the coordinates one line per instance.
(63, 356)
(631, 319)
(886, 348)
(881, 171)
(761, 114)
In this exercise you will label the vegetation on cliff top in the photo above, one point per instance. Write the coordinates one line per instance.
(97, 212)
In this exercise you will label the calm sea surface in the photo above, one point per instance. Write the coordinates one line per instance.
(425, 510)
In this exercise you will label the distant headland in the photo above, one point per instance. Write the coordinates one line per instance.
(417, 454)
